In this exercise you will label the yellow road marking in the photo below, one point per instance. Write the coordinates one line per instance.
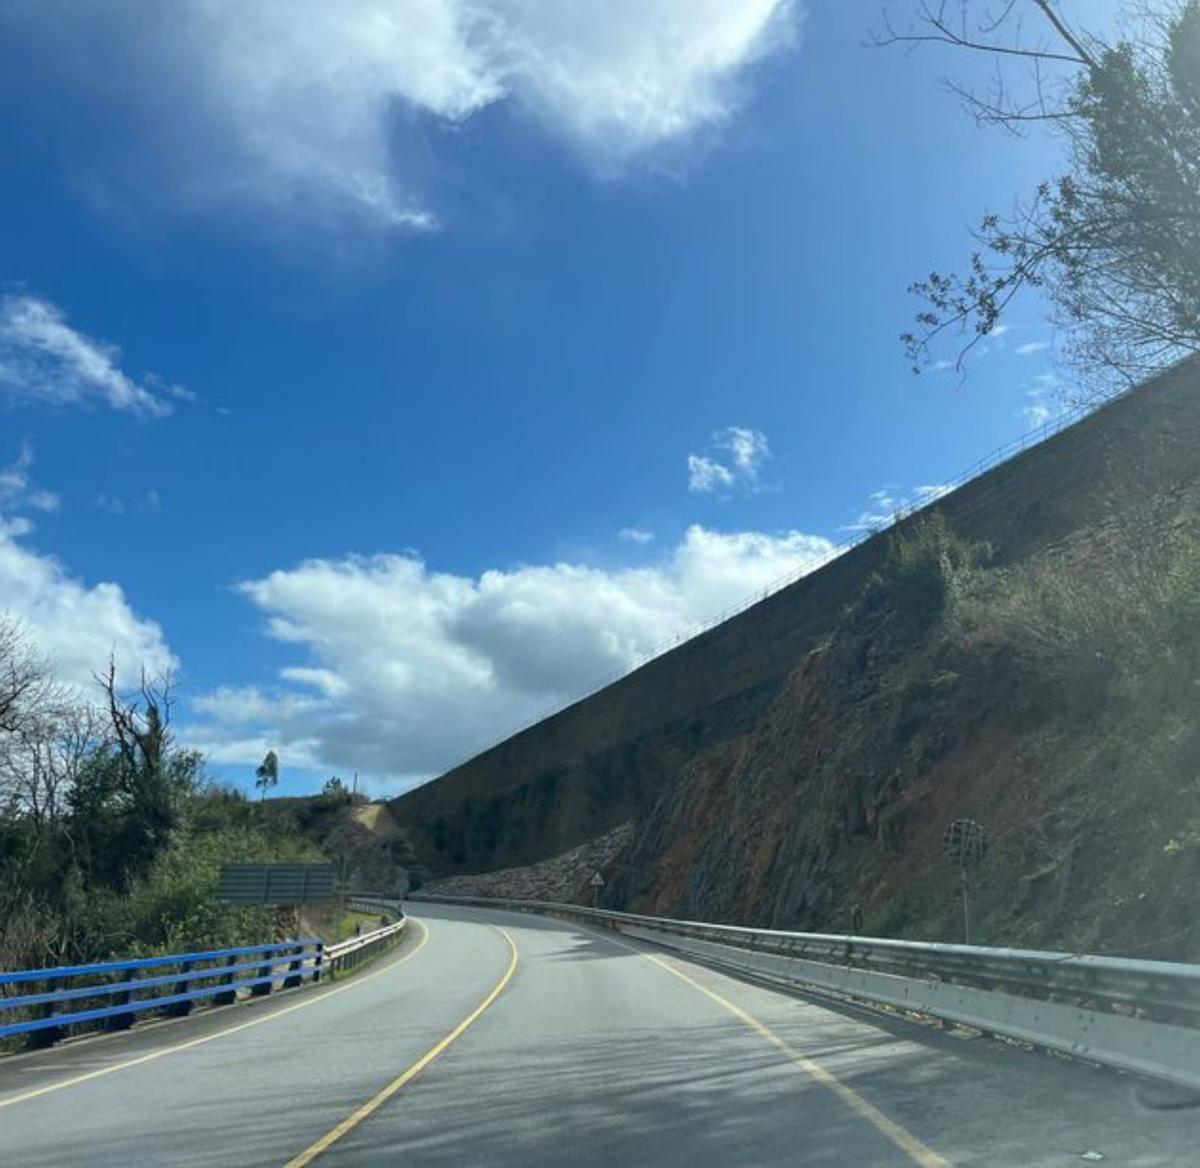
(916, 1151)
(181, 1046)
(378, 1100)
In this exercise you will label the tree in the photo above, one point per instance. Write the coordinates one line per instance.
(336, 790)
(1113, 241)
(267, 773)
(41, 758)
(127, 797)
(24, 676)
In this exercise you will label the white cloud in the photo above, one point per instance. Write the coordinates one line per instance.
(337, 104)
(638, 535)
(298, 753)
(110, 504)
(1031, 347)
(17, 490)
(706, 475)
(149, 503)
(237, 705)
(743, 451)
(889, 503)
(748, 447)
(43, 359)
(408, 670)
(76, 625)
(79, 627)
(1043, 401)
(1036, 414)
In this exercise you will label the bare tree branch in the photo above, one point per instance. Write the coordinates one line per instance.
(943, 33)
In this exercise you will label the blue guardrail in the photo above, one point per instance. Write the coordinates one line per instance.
(113, 993)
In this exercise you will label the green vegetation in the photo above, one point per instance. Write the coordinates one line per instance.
(1111, 242)
(333, 923)
(111, 836)
(266, 774)
(1053, 698)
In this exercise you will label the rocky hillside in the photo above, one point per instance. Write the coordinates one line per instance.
(1027, 654)
(367, 847)
(565, 878)
(1054, 702)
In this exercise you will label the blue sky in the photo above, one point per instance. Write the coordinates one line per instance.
(395, 377)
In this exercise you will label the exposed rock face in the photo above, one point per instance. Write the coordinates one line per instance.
(792, 763)
(565, 879)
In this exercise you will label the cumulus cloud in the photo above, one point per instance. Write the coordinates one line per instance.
(17, 490)
(256, 101)
(43, 359)
(890, 503)
(78, 626)
(748, 447)
(406, 670)
(706, 475)
(735, 456)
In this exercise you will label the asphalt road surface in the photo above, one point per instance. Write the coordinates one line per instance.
(493, 1038)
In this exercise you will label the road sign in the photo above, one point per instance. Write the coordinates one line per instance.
(597, 881)
(965, 843)
(276, 883)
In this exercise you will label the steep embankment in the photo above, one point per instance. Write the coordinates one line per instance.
(362, 839)
(806, 756)
(1053, 702)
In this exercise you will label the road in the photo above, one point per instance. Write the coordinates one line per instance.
(492, 1038)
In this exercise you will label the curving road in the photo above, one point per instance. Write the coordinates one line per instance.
(492, 1038)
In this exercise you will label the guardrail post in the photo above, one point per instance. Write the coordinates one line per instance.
(226, 997)
(118, 1022)
(294, 976)
(180, 1009)
(263, 988)
(40, 1039)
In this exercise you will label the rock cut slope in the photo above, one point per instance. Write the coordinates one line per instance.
(1027, 660)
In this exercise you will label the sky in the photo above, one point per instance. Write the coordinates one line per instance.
(394, 371)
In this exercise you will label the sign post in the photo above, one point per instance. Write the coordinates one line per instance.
(596, 883)
(965, 845)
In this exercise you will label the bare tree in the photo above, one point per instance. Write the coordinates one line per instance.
(139, 724)
(24, 675)
(1113, 242)
(43, 756)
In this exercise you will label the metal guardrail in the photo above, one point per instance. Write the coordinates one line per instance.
(1134, 1015)
(47, 1004)
(355, 950)
(110, 994)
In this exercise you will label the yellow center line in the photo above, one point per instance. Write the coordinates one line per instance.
(916, 1151)
(380, 1098)
(162, 1052)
